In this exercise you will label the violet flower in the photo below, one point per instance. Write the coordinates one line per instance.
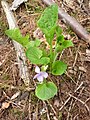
(40, 75)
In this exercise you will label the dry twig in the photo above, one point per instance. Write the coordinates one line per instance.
(52, 108)
(76, 57)
(48, 117)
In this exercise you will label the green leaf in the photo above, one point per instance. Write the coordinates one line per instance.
(23, 40)
(30, 44)
(44, 52)
(35, 43)
(58, 68)
(13, 33)
(59, 48)
(50, 35)
(60, 39)
(58, 30)
(63, 44)
(48, 18)
(67, 43)
(46, 91)
(47, 21)
(34, 54)
(45, 60)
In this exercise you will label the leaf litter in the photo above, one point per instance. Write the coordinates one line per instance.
(69, 105)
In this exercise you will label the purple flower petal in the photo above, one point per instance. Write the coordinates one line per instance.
(40, 78)
(37, 69)
(40, 75)
(44, 74)
(36, 76)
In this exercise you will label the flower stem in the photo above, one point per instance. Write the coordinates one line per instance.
(51, 55)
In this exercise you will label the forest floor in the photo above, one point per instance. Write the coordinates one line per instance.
(72, 101)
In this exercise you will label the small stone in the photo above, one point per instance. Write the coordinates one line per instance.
(56, 103)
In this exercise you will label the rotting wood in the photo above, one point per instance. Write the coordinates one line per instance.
(23, 70)
(72, 22)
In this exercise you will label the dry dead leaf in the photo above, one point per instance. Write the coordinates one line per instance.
(5, 105)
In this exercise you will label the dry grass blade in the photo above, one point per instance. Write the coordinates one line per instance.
(80, 102)
(68, 99)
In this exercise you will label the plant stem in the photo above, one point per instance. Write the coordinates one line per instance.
(55, 53)
(51, 54)
(55, 57)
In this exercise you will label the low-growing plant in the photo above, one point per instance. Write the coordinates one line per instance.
(47, 59)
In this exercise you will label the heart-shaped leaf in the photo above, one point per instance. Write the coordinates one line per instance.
(58, 68)
(34, 54)
(46, 91)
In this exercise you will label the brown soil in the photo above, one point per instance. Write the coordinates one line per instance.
(73, 99)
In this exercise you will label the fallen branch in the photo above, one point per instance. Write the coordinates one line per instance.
(72, 22)
(21, 59)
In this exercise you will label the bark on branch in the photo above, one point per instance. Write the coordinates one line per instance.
(23, 70)
(72, 22)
